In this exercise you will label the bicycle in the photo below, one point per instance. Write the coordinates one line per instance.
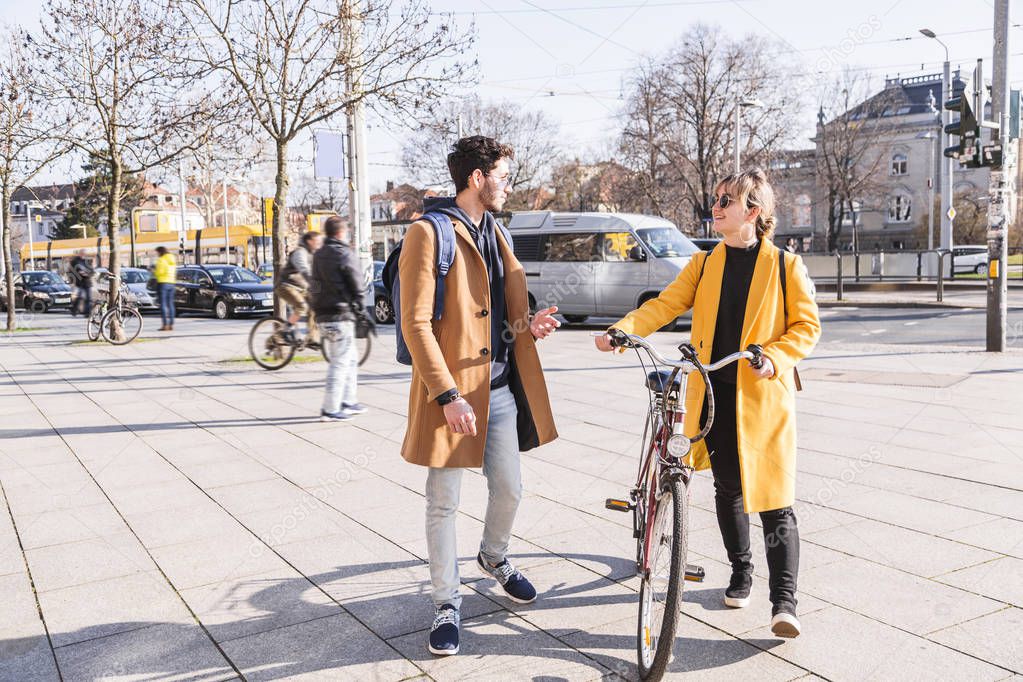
(273, 343)
(659, 500)
(122, 323)
(102, 318)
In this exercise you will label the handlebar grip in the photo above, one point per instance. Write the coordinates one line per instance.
(619, 339)
(758, 355)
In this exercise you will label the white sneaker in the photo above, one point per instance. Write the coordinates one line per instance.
(784, 624)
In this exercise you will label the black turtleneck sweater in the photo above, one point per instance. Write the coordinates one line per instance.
(735, 283)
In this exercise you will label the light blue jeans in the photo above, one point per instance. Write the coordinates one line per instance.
(343, 370)
(504, 482)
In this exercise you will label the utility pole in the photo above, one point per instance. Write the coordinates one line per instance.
(227, 230)
(182, 231)
(31, 236)
(1002, 190)
(358, 186)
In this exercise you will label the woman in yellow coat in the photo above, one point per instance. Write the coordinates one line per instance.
(737, 299)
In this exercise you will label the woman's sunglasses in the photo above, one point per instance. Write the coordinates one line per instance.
(726, 200)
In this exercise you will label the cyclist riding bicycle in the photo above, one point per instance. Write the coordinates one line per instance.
(742, 293)
(293, 286)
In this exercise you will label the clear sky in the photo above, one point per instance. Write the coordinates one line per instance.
(568, 57)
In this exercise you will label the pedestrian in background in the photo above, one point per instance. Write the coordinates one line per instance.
(336, 295)
(82, 274)
(294, 285)
(166, 273)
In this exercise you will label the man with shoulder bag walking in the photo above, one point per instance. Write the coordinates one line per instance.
(337, 302)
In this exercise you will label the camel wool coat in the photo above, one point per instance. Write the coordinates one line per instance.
(765, 408)
(454, 351)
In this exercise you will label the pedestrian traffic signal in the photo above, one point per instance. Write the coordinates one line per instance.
(967, 128)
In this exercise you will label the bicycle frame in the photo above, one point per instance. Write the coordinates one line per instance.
(666, 409)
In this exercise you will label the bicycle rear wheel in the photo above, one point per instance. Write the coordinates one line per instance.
(362, 348)
(660, 591)
(121, 325)
(269, 344)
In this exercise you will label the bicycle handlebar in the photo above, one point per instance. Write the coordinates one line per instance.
(619, 339)
(689, 363)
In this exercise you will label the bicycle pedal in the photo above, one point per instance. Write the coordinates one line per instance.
(695, 573)
(618, 505)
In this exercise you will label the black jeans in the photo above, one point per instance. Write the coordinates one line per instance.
(781, 535)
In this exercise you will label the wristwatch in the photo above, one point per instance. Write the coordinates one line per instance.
(448, 397)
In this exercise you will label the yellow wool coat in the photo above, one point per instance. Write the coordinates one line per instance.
(454, 352)
(765, 408)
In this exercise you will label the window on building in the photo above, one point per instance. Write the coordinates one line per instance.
(802, 211)
(899, 208)
(900, 164)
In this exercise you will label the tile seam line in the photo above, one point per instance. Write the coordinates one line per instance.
(31, 581)
(170, 583)
(247, 528)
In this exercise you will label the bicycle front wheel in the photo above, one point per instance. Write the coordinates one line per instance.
(121, 326)
(92, 322)
(269, 344)
(660, 591)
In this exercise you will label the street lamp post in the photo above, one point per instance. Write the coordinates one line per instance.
(744, 104)
(947, 168)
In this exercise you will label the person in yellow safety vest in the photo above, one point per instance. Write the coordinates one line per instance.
(166, 271)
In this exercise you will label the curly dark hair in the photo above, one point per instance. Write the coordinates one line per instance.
(470, 153)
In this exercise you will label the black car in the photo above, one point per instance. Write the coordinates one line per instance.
(224, 290)
(705, 243)
(40, 290)
(383, 310)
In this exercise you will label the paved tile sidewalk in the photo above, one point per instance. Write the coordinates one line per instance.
(170, 512)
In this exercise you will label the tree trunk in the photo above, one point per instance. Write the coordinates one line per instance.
(113, 232)
(5, 196)
(280, 221)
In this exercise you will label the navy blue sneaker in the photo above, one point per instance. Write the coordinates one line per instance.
(353, 408)
(339, 416)
(444, 631)
(514, 583)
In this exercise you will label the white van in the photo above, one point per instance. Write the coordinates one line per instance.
(597, 264)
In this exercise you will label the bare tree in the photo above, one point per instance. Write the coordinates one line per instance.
(596, 186)
(679, 128)
(132, 102)
(532, 134)
(294, 64)
(27, 141)
(850, 150)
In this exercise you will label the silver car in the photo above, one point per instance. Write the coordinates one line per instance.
(137, 281)
(597, 264)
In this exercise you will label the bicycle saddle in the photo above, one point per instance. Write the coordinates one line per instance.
(658, 379)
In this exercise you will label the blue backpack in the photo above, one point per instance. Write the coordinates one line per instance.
(445, 233)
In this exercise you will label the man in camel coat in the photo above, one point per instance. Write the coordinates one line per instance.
(477, 396)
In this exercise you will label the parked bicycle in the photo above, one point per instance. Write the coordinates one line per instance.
(659, 500)
(119, 324)
(273, 343)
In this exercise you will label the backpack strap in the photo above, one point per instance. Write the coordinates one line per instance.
(784, 286)
(785, 309)
(444, 230)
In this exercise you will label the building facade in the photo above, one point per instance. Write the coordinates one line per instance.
(902, 127)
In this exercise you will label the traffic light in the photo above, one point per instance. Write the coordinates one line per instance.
(967, 128)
